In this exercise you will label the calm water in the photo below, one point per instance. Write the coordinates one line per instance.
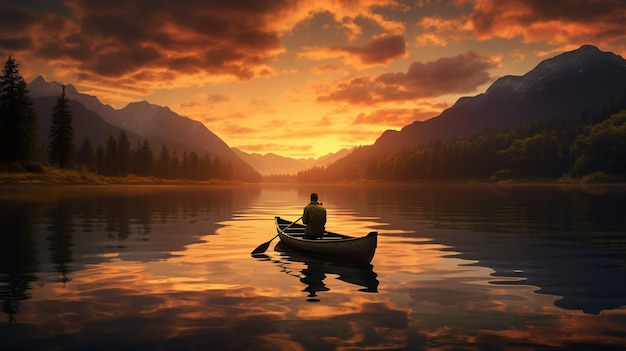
(458, 267)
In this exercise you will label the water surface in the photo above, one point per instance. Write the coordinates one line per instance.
(458, 267)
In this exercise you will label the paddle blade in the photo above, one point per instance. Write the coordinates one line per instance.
(261, 248)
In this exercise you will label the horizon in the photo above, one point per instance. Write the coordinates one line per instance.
(298, 81)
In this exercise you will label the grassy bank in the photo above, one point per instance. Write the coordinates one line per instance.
(46, 175)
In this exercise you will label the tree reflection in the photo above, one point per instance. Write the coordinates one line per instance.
(61, 239)
(18, 256)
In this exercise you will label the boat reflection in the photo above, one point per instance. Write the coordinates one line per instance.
(318, 268)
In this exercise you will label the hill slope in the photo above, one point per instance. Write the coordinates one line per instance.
(140, 120)
(557, 87)
(272, 164)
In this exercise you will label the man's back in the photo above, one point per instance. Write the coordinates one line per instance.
(315, 219)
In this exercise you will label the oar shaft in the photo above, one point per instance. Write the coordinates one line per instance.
(261, 248)
(287, 227)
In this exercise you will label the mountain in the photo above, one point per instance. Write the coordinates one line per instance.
(86, 123)
(272, 164)
(332, 157)
(140, 120)
(561, 86)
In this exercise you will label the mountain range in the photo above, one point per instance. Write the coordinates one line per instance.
(139, 120)
(561, 86)
(160, 126)
(272, 164)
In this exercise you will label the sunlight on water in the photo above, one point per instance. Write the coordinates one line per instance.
(458, 268)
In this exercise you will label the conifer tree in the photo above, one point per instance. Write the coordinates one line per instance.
(123, 155)
(144, 159)
(110, 161)
(101, 160)
(61, 149)
(163, 164)
(18, 120)
(87, 156)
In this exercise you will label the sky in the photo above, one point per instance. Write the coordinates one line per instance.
(298, 78)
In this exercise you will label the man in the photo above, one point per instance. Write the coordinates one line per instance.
(314, 218)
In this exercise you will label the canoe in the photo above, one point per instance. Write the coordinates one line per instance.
(339, 246)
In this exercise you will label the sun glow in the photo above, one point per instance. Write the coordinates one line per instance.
(299, 79)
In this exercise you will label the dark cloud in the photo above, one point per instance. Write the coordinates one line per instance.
(14, 19)
(541, 10)
(16, 44)
(119, 38)
(398, 117)
(377, 51)
(569, 21)
(450, 75)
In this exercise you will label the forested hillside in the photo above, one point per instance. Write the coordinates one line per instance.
(590, 146)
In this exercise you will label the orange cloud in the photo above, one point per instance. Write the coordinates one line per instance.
(394, 117)
(441, 31)
(202, 100)
(277, 147)
(324, 69)
(450, 75)
(573, 22)
(378, 51)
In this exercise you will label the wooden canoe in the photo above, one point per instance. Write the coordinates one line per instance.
(333, 245)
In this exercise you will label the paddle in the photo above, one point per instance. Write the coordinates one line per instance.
(263, 247)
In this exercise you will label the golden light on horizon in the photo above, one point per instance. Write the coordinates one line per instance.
(299, 79)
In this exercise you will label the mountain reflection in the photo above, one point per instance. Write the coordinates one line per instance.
(457, 268)
(61, 239)
(318, 268)
(57, 232)
(565, 240)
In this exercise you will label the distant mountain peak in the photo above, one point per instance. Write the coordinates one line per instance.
(38, 80)
(140, 103)
(587, 48)
(273, 164)
(39, 87)
(139, 106)
(577, 59)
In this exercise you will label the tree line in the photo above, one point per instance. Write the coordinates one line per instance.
(590, 145)
(19, 143)
(117, 158)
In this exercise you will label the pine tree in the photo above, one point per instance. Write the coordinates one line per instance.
(163, 165)
(18, 120)
(123, 155)
(110, 158)
(101, 160)
(87, 156)
(144, 159)
(61, 149)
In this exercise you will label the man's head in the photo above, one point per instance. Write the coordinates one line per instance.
(314, 197)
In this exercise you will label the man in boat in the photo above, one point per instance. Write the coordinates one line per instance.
(314, 218)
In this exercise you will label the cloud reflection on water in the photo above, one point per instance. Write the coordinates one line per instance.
(182, 277)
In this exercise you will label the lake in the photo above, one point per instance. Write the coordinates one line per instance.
(458, 267)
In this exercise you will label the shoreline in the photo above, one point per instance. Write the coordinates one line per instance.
(51, 176)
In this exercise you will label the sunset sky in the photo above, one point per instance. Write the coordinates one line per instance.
(298, 78)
